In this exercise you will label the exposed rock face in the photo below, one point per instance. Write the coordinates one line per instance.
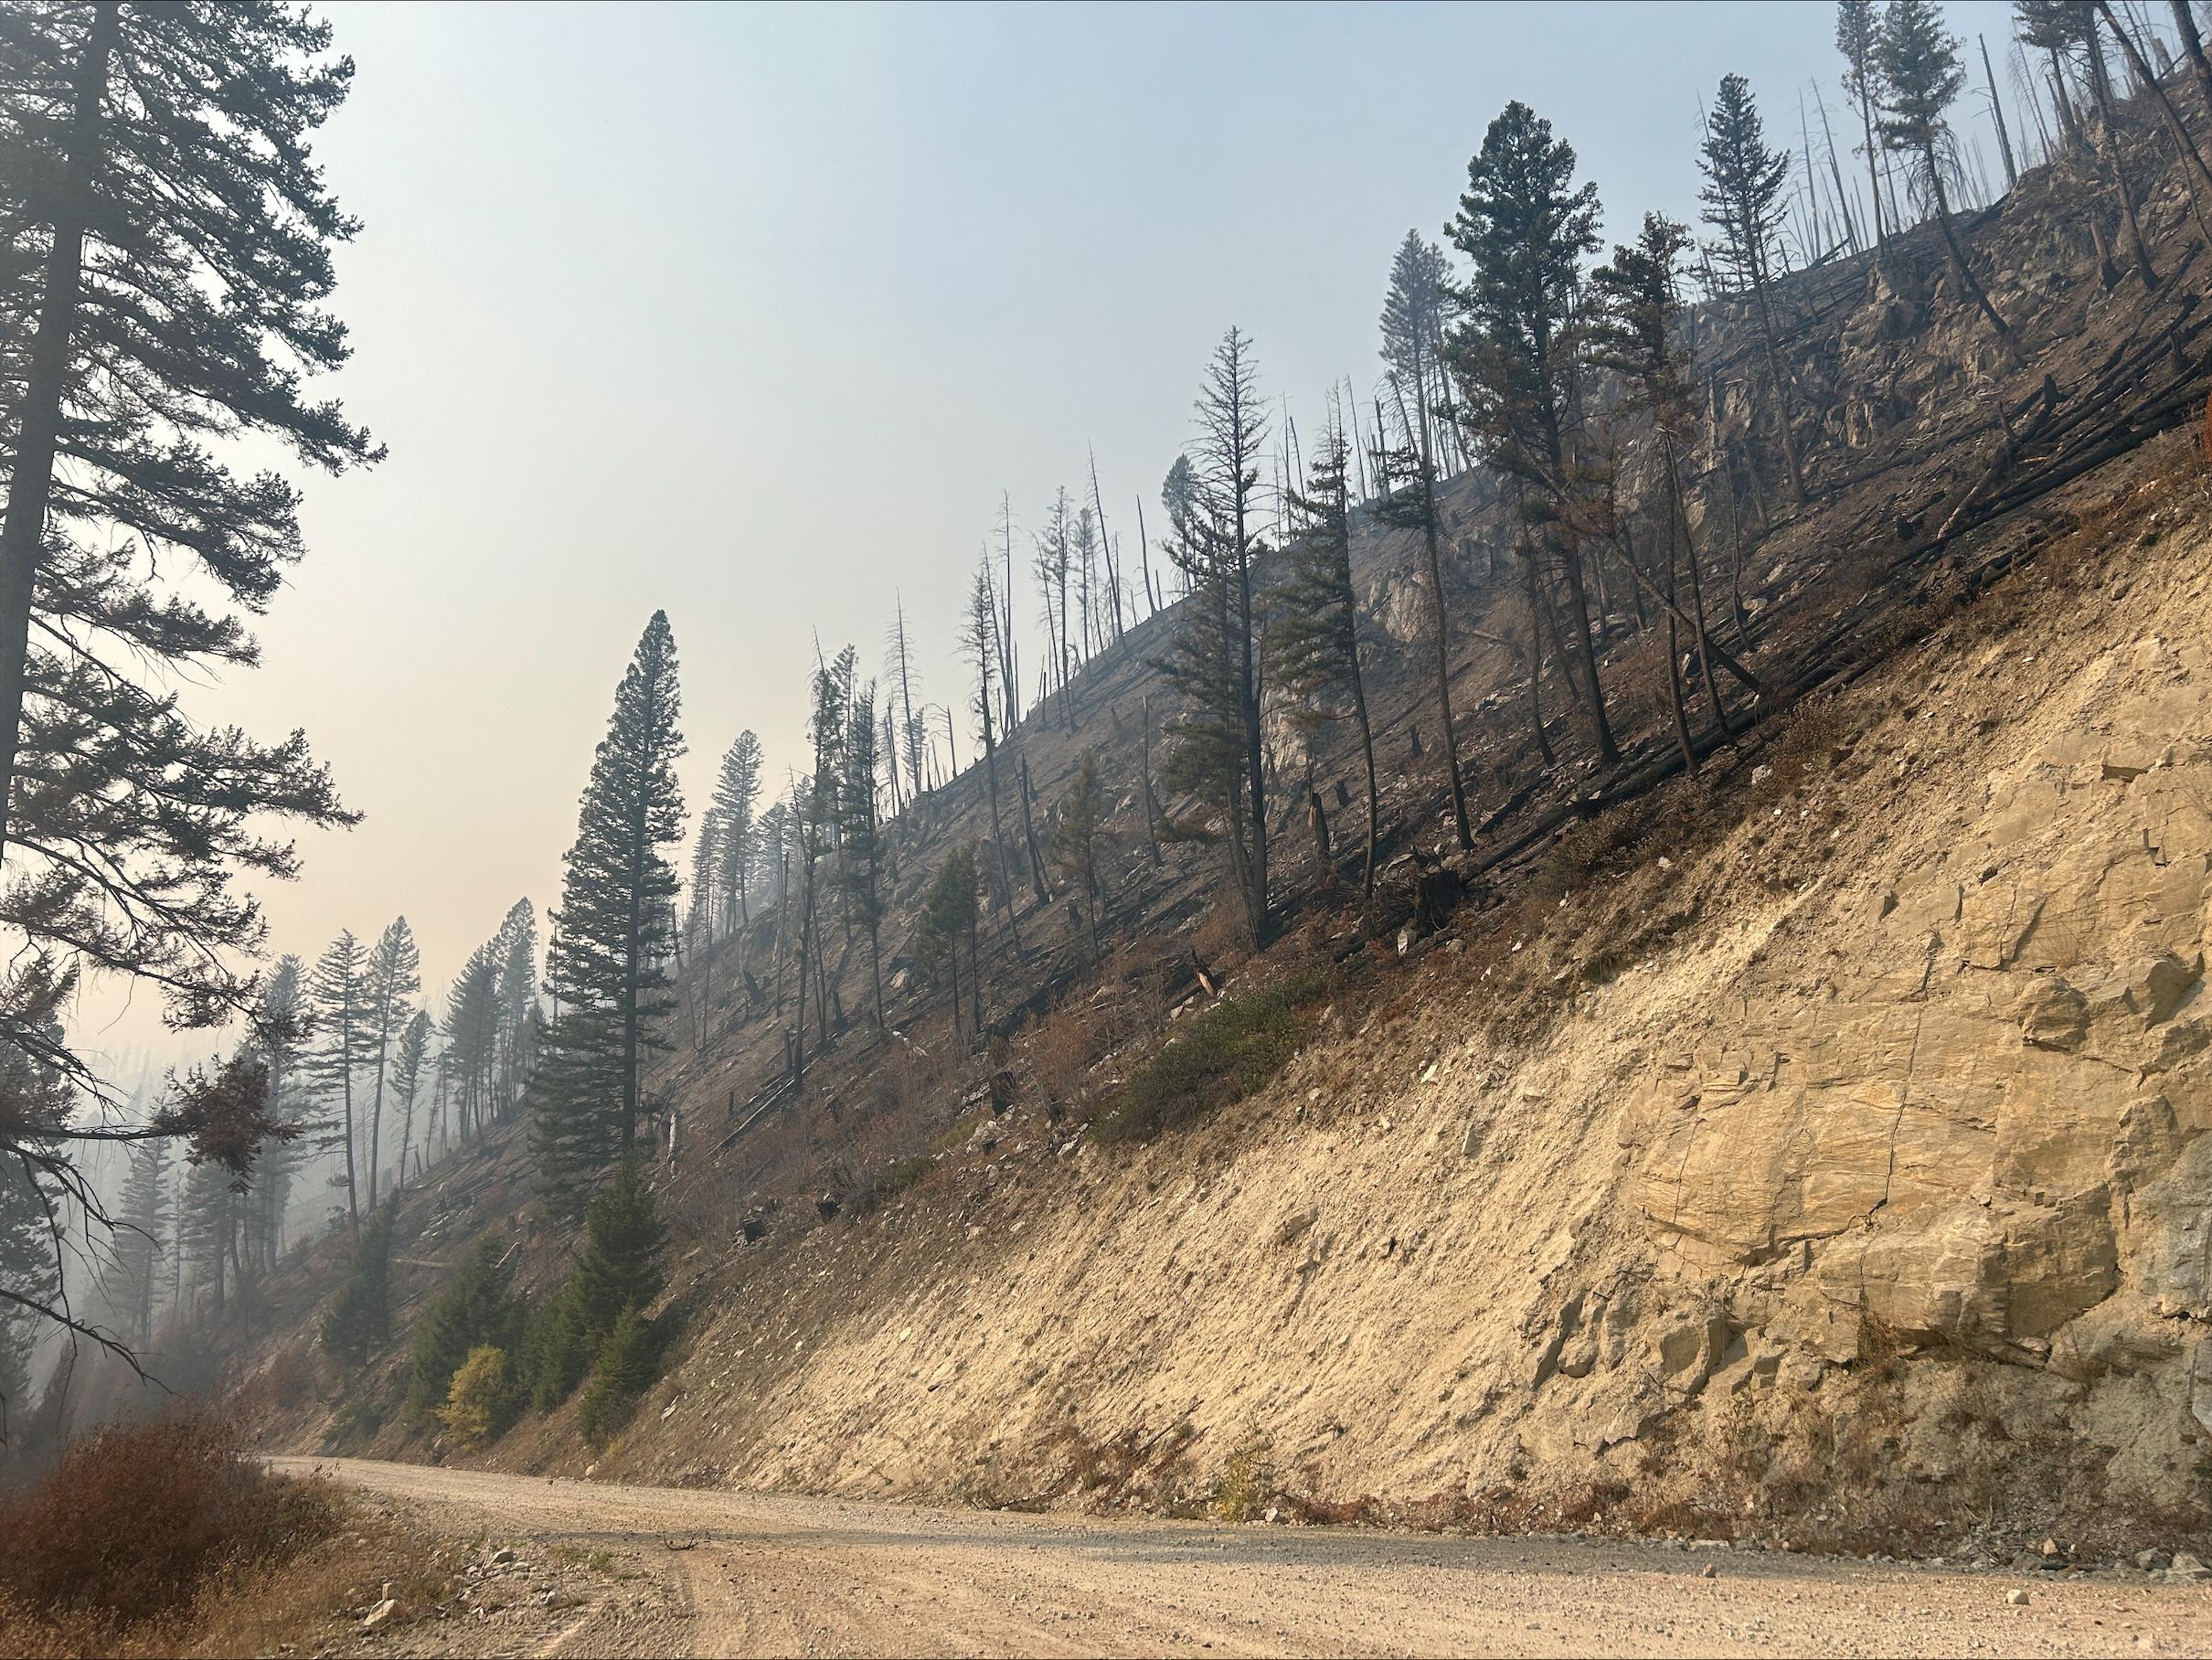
(1984, 1127)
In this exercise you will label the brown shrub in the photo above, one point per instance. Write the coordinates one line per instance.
(1064, 1046)
(136, 1520)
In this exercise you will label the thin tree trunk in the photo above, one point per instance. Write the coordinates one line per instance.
(1703, 635)
(1535, 654)
(1674, 662)
(2069, 118)
(2004, 137)
(998, 840)
(1036, 861)
(1152, 804)
(1774, 386)
(2117, 169)
(1571, 562)
(1835, 171)
(2175, 127)
(2193, 45)
(1874, 177)
(1367, 755)
(1958, 254)
(38, 425)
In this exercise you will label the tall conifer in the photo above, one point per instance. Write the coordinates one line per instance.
(607, 969)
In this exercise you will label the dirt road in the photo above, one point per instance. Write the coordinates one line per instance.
(758, 1575)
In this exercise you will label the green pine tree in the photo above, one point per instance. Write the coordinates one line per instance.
(391, 977)
(407, 1087)
(620, 1266)
(1744, 181)
(1313, 645)
(1921, 77)
(623, 1374)
(1075, 844)
(359, 1321)
(948, 919)
(341, 1059)
(1518, 352)
(1417, 310)
(475, 1308)
(608, 970)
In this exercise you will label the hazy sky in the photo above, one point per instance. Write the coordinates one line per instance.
(751, 313)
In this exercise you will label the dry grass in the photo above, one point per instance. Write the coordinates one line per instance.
(166, 1537)
(135, 1521)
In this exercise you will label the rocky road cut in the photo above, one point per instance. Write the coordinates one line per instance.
(755, 1574)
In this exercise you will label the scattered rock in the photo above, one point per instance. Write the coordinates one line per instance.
(380, 1614)
(2187, 1570)
(1708, 1572)
(2016, 1597)
(503, 1556)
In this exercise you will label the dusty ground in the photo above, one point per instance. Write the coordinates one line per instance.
(726, 1573)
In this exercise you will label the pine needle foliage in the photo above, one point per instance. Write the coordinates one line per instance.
(608, 968)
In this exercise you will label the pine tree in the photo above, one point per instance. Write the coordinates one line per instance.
(737, 791)
(359, 1321)
(1527, 225)
(2067, 29)
(472, 1040)
(140, 1233)
(1411, 321)
(620, 1266)
(1075, 844)
(948, 917)
(1106, 546)
(1055, 555)
(860, 835)
(1313, 643)
(168, 241)
(1634, 337)
(282, 1033)
(337, 999)
(406, 1086)
(1744, 181)
(979, 642)
(475, 1308)
(391, 979)
(910, 736)
(1922, 76)
(1419, 309)
(622, 1375)
(698, 919)
(516, 950)
(30, 1234)
(1858, 27)
(608, 966)
(1213, 510)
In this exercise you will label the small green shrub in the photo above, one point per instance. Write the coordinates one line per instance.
(1221, 1057)
(899, 1177)
(619, 1380)
(481, 1400)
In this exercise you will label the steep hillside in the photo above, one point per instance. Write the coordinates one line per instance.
(1831, 1169)
(1808, 1148)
